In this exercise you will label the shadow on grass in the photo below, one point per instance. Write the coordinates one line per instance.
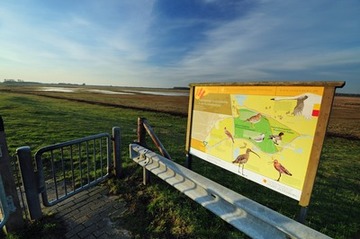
(48, 227)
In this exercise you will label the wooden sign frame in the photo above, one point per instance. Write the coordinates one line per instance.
(225, 110)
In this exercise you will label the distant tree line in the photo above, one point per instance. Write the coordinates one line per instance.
(18, 81)
(180, 88)
(13, 81)
(348, 95)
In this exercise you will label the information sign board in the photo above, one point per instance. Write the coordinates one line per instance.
(269, 133)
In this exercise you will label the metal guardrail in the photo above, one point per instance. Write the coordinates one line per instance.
(66, 168)
(255, 220)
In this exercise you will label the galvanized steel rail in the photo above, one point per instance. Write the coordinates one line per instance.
(255, 220)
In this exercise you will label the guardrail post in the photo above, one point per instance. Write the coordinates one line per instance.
(116, 151)
(15, 220)
(141, 133)
(29, 181)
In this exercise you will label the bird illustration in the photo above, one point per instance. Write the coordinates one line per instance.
(304, 103)
(243, 158)
(276, 138)
(254, 119)
(281, 169)
(258, 138)
(228, 134)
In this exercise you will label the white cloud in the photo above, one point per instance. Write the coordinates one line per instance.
(277, 35)
(112, 41)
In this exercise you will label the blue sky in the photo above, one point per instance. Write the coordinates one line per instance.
(170, 43)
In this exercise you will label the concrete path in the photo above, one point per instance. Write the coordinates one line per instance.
(91, 214)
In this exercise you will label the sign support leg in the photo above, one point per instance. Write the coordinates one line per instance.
(302, 214)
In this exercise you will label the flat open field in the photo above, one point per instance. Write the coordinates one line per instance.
(38, 116)
(344, 119)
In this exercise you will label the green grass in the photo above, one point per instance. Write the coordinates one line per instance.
(158, 210)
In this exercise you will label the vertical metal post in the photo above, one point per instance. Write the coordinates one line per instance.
(116, 151)
(188, 161)
(29, 181)
(302, 214)
(15, 220)
(141, 132)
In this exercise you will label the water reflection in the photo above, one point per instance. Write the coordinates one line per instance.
(123, 92)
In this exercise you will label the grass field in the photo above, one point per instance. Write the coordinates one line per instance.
(37, 119)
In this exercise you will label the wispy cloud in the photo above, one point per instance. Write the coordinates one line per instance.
(278, 36)
(168, 43)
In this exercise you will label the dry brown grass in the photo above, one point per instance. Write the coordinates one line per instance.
(345, 117)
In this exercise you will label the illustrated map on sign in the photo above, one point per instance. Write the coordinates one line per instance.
(264, 134)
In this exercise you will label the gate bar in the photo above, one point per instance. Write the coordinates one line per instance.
(250, 217)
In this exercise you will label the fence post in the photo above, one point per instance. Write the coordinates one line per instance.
(30, 182)
(116, 151)
(141, 133)
(15, 220)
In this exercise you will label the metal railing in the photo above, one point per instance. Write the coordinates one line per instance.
(255, 220)
(67, 168)
(64, 169)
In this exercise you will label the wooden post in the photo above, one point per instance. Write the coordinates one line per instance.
(188, 160)
(117, 151)
(155, 139)
(15, 220)
(327, 100)
(141, 133)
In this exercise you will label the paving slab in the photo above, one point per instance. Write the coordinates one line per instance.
(91, 213)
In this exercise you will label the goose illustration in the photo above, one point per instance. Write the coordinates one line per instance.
(304, 103)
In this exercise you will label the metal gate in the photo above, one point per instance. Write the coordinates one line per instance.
(64, 169)
(67, 168)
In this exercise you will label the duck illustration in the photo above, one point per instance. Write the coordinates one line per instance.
(276, 138)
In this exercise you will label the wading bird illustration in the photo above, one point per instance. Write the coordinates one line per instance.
(276, 138)
(281, 169)
(304, 103)
(254, 119)
(243, 158)
(228, 134)
(258, 138)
